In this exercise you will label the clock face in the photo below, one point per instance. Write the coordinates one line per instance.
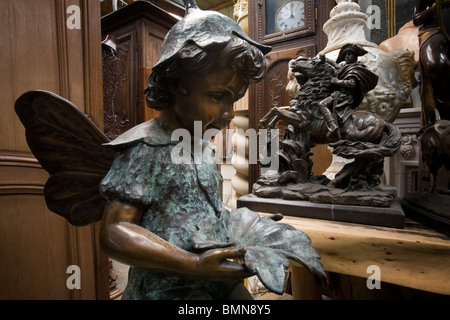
(290, 15)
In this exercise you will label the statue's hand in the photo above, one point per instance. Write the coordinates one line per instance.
(262, 124)
(276, 217)
(214, 264)
(274, 112)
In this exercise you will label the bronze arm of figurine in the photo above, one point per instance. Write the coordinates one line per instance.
(122, 239)
(323, 58)
(349, 83)
(277, 113)
(423, 12)
(434, 58)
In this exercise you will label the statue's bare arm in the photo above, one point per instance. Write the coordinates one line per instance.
(122, 239)
(276, 114)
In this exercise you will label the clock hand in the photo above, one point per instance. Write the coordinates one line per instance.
(292, 10)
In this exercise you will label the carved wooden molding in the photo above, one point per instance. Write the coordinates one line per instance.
(42, 53)
(21, 188)
(113, 80)
(18, 159)
(90, 35)
(21, 174)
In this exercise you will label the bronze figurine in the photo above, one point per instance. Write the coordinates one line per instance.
(163, 218)
(431, 204)
(433, 17)
(325, 112)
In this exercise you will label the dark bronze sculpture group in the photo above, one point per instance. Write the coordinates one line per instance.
(166, 219)
(434, 19)
(432, 206)
(325, 112)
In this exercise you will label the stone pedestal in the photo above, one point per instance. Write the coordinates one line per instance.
(432, 210)
(386, 217)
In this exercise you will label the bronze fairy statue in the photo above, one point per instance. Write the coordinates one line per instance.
(325, 111)
(162, 217)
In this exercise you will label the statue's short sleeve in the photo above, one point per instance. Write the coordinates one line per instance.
(133, 177)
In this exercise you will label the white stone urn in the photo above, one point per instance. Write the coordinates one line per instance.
(394, 69)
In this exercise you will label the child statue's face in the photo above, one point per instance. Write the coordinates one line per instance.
(209, 99)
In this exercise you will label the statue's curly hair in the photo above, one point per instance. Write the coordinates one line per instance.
(237, 54)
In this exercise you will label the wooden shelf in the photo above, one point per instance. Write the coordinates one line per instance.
(414, 257)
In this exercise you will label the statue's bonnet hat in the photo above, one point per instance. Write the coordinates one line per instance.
(204, 28)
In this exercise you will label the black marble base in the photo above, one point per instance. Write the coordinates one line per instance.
(432, 210)
(386, 217)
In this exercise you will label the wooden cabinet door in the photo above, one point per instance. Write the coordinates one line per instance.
(139, 30)
(305, 40)
(39, 51)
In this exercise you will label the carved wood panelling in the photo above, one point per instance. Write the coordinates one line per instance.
(118, 86)
(272, 90)
(38, 51)
(21, 174)
(276, 80)
(139, 29)
(305, 41)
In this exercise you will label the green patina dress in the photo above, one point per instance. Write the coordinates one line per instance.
(174, 198)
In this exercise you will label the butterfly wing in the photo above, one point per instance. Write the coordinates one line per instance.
(68, 145)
